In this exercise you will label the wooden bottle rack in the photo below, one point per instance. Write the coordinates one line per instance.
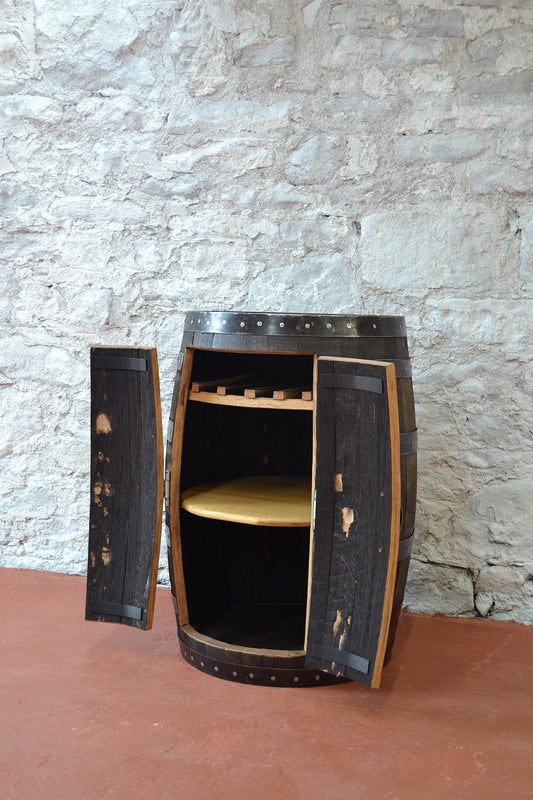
(270, 500)
(251, 390)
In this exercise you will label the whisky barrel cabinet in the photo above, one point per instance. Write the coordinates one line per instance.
(290, 487)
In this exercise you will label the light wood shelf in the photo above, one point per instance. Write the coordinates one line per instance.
(251, 402)
(272, 500)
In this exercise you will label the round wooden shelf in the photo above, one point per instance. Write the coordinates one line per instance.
(272, 500)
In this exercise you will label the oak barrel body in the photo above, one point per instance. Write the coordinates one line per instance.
(273, 565)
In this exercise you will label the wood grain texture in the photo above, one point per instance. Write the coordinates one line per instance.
(303, 392)
(250, 402)
(176, 563)
(222, 381)
(272, 500)
(218, 648)
(356, 529)
(127, 487)
(395, 520)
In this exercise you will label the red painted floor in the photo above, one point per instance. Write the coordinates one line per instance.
(91, 710)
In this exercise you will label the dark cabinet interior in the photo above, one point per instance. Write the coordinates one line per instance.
(246, 582)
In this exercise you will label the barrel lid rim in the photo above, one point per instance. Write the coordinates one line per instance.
(283, 324)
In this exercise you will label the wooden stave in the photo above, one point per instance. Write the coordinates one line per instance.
(117, 591)
(381, 348)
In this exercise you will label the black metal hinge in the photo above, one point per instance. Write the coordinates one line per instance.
(341, 657)
(120, 362)
(116, 609)
(329, 380)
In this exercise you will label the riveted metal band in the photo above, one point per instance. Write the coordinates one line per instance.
(259, 676)
(402, 365)
(408, 442)
(405, 546)
(288, 324)
(167, 485)
(170, 431)
(116, 609)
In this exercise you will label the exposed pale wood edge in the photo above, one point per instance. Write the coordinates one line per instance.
(396, 499)
(289, 392)
(253, 394)
(313, 490)
(160, 489)
(256, 391)
(252, 352)
(191, 631)
(265, 508)
(245, 519)
(248, 402)
(117, 347)
(359, 361)
(250, 381)
(175, 475)
(222, 382)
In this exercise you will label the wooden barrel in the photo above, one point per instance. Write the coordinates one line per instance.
(375, 338)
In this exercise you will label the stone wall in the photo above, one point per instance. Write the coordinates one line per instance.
(335, 157)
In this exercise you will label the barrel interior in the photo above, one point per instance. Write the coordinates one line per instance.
(246, 584)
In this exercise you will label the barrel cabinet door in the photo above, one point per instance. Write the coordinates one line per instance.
(356, 518)
(126, 486)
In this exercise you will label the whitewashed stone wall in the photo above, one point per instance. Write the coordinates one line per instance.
(336, 157)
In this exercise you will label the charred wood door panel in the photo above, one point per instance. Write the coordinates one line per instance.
(126, 486)
(357, 517)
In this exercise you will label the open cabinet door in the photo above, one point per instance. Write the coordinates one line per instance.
(126, 486)
(357, 518)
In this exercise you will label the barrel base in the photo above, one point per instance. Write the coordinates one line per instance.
(278, 673)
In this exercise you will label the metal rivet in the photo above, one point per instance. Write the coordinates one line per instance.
(242, 324)
(224, 322)
(374, 325)
(328, 325)
(202, 663)
(208, 322)
(281, 324)
(216, 669)
(296, 679)
(317, 677)
(307, 325)
(192, 658)
(272, 677)
(259, 323)
(348, 324)
(251, 675)
(234, 674)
